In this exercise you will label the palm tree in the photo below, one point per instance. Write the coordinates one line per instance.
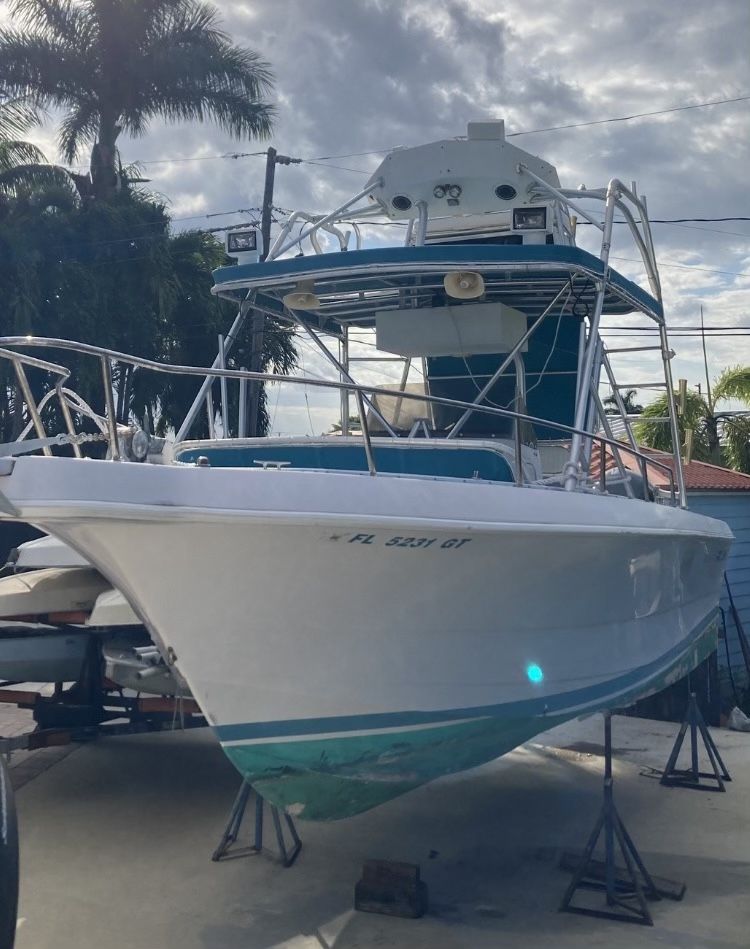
(113, 65)
(734, 383)
(718, 436)
(628, 400)
(658, 434)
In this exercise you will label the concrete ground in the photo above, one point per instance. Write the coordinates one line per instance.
(116, 840)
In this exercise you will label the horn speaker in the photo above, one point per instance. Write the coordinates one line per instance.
(464, 285)
(303, 297)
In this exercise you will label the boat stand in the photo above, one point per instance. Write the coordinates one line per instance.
(691, 777)
(287, 854)
(627, 890)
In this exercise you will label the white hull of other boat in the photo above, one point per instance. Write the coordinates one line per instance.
(68, 593)
(30, 652)
(379, 631)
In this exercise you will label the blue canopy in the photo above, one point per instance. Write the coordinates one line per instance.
(353, 285)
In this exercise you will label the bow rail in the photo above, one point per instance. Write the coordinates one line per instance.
(115, 432)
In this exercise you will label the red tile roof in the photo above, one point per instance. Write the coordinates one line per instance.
(699, 475)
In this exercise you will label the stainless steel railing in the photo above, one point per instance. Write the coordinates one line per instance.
(70, 403)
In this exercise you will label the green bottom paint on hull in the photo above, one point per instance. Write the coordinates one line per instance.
(330, 778)
(333, 778)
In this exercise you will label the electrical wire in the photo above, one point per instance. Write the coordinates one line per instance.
(169, 161)
(629, 118)
(275, 407)
(585, 314)
(381, 151)
(304, 390)
(680, 222)
(679, 327)
(727, 273)
(320, 164)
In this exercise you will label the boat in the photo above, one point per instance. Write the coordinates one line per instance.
(40, 615)
(109, 607)
(35, 652)
(53, 603)
(56, 594)
(449, 575)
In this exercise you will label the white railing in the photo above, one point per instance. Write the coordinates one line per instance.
(115, 432)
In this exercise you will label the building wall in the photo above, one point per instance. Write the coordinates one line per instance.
(734, 508)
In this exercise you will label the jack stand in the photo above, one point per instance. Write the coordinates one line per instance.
(691, 777)
(623, 888)
(232, 830)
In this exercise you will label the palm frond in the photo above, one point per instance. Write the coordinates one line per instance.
(79, 126)
(736, 443)
(657, 434)
(208, 58)
(17, 116)
(31, 178)
(55, 19)
(46, 72)
(231, 111)
(733, 383)
(13, 154)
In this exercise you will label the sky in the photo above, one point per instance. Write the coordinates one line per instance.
(356, 76)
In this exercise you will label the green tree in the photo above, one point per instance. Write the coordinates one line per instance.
(734, 383)
(655, 433)
(112, 274)
(112, 66)
(720, 437)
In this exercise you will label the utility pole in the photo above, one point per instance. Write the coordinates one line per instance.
(259, 319)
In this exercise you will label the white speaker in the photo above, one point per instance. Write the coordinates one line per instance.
(464, 285)
(303, 297)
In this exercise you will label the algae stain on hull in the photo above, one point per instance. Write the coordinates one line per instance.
(386, 766)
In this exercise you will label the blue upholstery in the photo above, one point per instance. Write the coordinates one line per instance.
(438, 461)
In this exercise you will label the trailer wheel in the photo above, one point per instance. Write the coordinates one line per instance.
(8, 860)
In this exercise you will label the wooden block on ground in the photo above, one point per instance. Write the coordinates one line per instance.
(391, 888)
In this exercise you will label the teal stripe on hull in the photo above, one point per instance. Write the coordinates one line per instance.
(593, 696)
(337, 777)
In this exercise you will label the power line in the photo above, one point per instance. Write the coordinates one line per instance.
(682, 329)
(557, 128)
(167, 161)
(672, 220)
(381, 151)
(693, 335)
(320, 164)
(708, 230)
(629, 118)
(676, 222)
(727, 273)
(684, 220)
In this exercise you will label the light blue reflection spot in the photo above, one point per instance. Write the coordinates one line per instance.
(535, 674)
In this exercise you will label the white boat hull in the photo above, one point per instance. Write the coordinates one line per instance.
(351, 637)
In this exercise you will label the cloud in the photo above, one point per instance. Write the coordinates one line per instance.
(366, 75)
